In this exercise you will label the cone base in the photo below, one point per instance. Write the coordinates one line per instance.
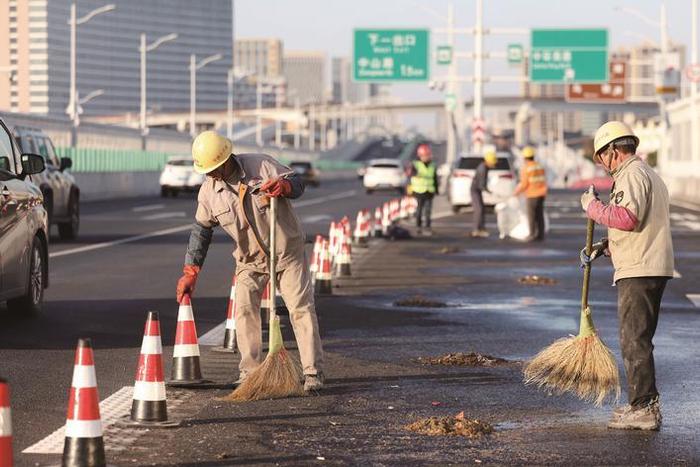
(323, 287)
(223, 350)
(344, 270)
(187, 369)
(83, 451)
(195, 383)
(127, 422)
(149, 411)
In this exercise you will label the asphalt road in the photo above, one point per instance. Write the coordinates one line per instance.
(129, 257)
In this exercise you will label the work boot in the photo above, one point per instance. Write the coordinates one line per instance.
(642, 418)
(313, 382)
(480, 233)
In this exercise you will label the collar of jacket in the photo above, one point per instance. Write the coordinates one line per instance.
(624, 165)
(237, 176)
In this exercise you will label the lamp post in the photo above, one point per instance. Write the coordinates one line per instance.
(143, 49)
(74, 21)
(80, 101)
(194, 66)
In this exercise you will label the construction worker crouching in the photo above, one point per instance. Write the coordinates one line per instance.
(639, 243)
(424, 187)
(479, 185)
(533, 183)
(235, 196)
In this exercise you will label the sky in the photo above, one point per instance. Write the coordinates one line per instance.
(327, 25)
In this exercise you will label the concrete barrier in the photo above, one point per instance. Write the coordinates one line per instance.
(95, 186)
(684, 189)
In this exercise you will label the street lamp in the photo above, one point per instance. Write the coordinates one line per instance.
(80, 101)
(73, 21)
(234, 75)
(194, 66)
(143, 49)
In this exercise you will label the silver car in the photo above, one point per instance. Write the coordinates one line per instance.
(24, 269)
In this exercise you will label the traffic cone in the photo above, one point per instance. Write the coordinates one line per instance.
(5, 425)
(332, 238)
(386, 219)
(324, 279)
(187, 371)
(343, 262)
(316, 259)
(229, 344)
(149, 406)
(403, 208)
(84, 445)
(265, 305)
(378, 222)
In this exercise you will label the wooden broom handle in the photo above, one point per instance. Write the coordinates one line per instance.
(590, 227)
(273, 258)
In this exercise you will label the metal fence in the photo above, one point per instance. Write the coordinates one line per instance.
(114, 160)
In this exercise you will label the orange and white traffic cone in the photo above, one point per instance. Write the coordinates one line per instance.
(344, 261)
(84, 444)
(316, 259)
(378, 222)
(386, 219)
(403, 208)
(149, 408)
(187, 371)
(324, 279)
(229, 344)
(5, 425)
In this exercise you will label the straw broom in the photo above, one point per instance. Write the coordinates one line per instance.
(582, 364)
(279, 375)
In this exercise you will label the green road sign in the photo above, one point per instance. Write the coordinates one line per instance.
(391, 55)
(515, 54)
(444, 54)
(569, 55)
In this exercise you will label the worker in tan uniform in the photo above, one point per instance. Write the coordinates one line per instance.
(533, 183)
(236, 197)
(639, 244)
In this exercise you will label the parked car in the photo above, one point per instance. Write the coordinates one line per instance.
(385, 174)
(24, 272)
(179, 175)
(58, 186)
(308, 174)
(501, 180)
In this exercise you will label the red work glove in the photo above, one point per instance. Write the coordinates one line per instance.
(277, 188)
(187, 282)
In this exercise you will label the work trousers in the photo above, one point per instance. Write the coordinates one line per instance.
(294, 284)
(638, 303)
(535, 217)
(425, 209)
(478, 207)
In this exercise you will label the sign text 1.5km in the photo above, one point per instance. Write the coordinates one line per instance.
(391, 55)
(569, 56)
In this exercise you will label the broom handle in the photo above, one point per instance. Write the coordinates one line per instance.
(587, 269)
(273, 258)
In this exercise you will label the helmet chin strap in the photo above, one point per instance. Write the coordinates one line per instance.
(608, 167)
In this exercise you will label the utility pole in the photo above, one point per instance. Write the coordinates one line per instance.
(695, 138)
(478, 67)
(452, 87)
(194, 66)
(143, 49)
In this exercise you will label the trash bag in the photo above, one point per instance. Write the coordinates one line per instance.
(511, 218)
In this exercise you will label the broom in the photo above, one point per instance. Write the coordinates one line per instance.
(279, 375)
(581, 364)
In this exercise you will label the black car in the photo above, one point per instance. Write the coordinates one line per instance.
(309, 175)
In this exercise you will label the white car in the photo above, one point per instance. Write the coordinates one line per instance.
(501, 180)
(179, 175)
(385, 174)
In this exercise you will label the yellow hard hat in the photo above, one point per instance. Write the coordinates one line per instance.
(491, 158)
(609, 132)
(528, 152)
(209, 151)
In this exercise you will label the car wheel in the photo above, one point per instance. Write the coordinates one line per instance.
(173, 192)
(164, 192)
(69, 230)
(31, 302)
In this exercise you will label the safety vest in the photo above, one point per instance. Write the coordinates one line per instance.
(536, 180)
(424, 179)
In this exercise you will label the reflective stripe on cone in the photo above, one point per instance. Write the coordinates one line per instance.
(187, 370)
(5, 425)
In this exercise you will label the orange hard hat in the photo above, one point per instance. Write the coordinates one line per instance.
(423, 149)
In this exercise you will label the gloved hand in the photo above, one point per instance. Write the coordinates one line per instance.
(598, 249)
(277, 187)
(588, 197)
(187, 282)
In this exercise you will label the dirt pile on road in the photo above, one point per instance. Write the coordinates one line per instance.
(419, 301)
(464, 359)
(453, 425)
(448, 250)
(537, 280)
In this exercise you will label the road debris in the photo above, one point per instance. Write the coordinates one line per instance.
(534, 279)
(464, 359)
(419, 301)
(452, 425)
(448, 250)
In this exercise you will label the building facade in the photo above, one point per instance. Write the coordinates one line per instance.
(258, 56)
(306, 76)
(35, 48)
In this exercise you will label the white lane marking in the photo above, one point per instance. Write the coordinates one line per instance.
(163, 215)
(686, 205)
(323, 199)
(314, 219)
(148, 207)
(215, 336)
(99, 246)
(694, 298)
(676, 274)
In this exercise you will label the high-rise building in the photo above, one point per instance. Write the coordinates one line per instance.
(344, 90)
(35, 48)
(259, 56)
(306, 75)
(641, 68)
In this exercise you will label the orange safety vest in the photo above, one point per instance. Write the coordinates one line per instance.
(534, 180)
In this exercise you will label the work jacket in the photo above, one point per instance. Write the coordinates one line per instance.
(533, 180)
(245, 215)
(423, 177)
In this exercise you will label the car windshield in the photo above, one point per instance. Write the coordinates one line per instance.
(182, 163)
(471, 163)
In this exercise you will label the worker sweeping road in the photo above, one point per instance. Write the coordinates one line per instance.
(424, 186)
(533, 183)
(479, 185)
(236, 196)
(639, 243)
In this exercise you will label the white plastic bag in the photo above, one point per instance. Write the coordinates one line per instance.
(512, 219)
